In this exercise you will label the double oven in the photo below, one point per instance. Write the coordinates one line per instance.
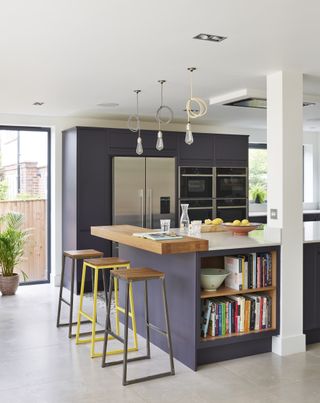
(214, 192)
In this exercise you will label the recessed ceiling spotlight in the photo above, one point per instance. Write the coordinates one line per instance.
(108, 104)
(37, 103)
(209, 37)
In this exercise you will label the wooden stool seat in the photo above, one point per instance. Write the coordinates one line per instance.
(107, 261)
(74, 255)
(82, 253)
(137, 274)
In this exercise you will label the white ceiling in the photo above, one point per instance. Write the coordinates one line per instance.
(75, 54)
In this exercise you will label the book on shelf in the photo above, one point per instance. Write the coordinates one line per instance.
(205, 315)
(236, 314)
(233, 265)
(250, 271)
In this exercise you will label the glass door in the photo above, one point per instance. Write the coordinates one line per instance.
(24, 188)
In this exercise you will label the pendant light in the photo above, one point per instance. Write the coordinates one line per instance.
(159, 144)
(193, 113)
(136, 128)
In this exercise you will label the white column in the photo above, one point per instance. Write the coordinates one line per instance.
(284, 138)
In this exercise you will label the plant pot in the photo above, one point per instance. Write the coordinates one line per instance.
(9, 284)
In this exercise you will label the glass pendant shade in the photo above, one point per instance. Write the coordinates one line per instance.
(139, 149)
(189, 137)
(159, 145)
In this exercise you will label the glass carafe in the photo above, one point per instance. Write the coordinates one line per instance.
(184, 219)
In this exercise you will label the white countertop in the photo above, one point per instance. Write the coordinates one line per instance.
(264, 213)
(226, 240)
(311, 231)
(267, 237)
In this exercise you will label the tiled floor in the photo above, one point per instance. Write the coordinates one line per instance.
(39, 364)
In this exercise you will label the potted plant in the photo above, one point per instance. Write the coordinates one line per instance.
(13, 239)
(258, 194)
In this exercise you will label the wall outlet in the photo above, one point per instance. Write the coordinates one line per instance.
(274, 214)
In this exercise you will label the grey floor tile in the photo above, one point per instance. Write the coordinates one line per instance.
(40, 364)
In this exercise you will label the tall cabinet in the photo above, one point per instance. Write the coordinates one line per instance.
(86, 193)
(87, 174)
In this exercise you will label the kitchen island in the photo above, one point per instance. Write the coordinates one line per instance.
(181, 261)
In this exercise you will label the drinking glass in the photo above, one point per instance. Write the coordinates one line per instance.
(196, 227)
(165, 225)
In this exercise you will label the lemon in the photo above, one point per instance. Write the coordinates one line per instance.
(207, 221)
(236, 222)
(245, 222)
(216, 221)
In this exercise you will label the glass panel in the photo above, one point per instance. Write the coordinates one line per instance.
(258, 175)
(24, 188)
(231, 186)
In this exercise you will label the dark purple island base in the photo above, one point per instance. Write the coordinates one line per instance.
(182, 277)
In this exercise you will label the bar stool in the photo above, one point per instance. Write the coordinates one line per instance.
(74, 255)
(129, 276)
(104, 264)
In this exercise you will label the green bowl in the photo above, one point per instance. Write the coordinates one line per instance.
(211, 279)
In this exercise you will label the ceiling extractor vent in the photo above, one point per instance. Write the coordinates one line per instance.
(256, 103)
(249, 103)
(249, 98)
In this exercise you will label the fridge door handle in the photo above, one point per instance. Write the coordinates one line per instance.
(214, 209)
(150, 208)
(141, 195)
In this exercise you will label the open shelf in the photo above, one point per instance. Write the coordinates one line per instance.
(225, 291)
(211, 338)
(272, 290)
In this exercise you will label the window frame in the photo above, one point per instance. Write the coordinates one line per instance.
(48, 131)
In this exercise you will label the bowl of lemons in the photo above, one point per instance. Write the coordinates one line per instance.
(212, 225)
(241, 227)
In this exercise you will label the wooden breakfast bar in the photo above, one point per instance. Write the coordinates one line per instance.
(181, 260)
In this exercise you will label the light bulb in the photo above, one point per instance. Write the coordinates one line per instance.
(159, 145)
(189, 137)
(139, 149)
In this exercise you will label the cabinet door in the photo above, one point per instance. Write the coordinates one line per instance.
(93, 179)
(231, 151)
(123, 142)
(200, 152)
(260, 219)
(311, 286)
(309, 217)
(149, 140)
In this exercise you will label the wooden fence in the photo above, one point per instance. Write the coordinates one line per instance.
(35, 217)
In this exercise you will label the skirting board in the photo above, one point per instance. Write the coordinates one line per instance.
(55, 279)
(289, 345)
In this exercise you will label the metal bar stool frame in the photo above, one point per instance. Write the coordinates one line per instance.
(148, 325)
(70, 302)
(93, 339)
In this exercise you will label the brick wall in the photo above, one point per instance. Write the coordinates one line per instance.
(33, 179)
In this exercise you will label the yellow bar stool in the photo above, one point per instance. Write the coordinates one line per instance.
(104, 264)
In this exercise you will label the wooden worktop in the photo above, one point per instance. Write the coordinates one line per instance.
(123, 235)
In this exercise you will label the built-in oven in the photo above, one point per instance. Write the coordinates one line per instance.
(196, 182)
(200, 209)
(231, 183)
(231, 209)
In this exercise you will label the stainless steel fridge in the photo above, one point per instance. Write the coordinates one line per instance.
(143, 191)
